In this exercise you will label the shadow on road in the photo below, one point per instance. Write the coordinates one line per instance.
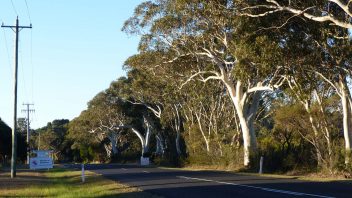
(219, 184)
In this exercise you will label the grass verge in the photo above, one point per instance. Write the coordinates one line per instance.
(64, 183)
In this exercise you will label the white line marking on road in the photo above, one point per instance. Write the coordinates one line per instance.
(123, 169)
(146, 172)
(256, 187)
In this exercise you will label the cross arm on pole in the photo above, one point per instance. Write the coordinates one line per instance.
(14, 27)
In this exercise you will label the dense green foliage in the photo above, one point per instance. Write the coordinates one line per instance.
(5, 144)
(216, 83)
(53, 137)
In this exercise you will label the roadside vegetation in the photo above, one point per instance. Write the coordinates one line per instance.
(64, 183)
(221, 83)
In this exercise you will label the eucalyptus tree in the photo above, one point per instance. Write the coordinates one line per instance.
(328, 59)
(329, 23)
(336, 12)
(206, 112)
(336, 70)
(53, 137)
(83, 142)
(106, 117)
(206, 40)
(306, 94)
(141, 103)
(142, 89)
(301, 58)
(156, 90)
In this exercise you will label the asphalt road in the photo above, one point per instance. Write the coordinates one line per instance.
(208, 184)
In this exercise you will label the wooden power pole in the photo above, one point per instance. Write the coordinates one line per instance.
(16, 29)
(28, 110)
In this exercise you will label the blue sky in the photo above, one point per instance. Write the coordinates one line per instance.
(75, 49)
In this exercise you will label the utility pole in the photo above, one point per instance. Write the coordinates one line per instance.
(28, 110)
(16, 29)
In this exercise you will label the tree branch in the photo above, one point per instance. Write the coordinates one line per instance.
(276, 7)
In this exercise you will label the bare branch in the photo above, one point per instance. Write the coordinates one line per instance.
(338, 91)
(216, 76)
(275, 7)
(343, 6)
(260, 88)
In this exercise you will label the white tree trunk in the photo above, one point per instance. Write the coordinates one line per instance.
(141, 138)
(342, 89)
(326, 129)
(147, 135)
(347, 120)
(107, 150)
(246, 117)
(113, 140)
(350, 128)
(159, 144)
(178, 130)
(178, 147)
(316, 133)
(114, 147)
(206, 140)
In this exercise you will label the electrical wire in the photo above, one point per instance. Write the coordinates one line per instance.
(31, 52)
(32, 67)
(7, 50)
(14, 8)
(29, 15)
(24, 87)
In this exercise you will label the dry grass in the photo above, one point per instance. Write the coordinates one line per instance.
(64, 183)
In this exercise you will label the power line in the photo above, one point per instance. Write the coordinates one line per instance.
(24, 87)
(32, 66)
(14, 8)
(31, 51)
(29, 16)
(7, 50)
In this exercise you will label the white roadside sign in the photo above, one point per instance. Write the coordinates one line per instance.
(41, 160)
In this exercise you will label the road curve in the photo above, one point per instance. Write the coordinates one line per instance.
(172, 183)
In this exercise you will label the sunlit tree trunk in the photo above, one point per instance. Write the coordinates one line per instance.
(144, 145)
(246, 113)
(327, 134)
(177, 127)
(347, 118)
(205, 138)
(160, 149)
(113, 140)
(107, 148)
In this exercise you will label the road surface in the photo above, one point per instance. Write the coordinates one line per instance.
(173, 183)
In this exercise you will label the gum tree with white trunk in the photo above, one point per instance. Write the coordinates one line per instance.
(222, 46)
(105, 118)
(334, 18)
(334, 12)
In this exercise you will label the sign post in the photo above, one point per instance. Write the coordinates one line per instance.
(83, 175)
(261, 165)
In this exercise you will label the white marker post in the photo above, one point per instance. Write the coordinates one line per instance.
(261, 165)
(83, 176)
